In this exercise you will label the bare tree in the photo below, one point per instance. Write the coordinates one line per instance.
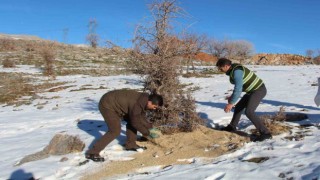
(233, 49)
(316, 58)
(243, 49)
(310, 53)
(193, 45)
(217, 47)
(92, 36)
(156, 56)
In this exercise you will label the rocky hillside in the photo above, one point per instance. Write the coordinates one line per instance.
(23, 49)
(280, 59)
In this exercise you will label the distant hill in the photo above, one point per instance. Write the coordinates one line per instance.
(18, 46)
(280, 59)
(23, 37)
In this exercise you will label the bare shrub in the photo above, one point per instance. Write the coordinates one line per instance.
(156, 57)
(30, 46)
(7, 45)
(48, 53)
(275, 122)
(316, 60)
(310, 53)
(8, 63)
(314, 55)
(92, 37)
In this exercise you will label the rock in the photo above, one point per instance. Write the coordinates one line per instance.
(63, 144)
(59, 145)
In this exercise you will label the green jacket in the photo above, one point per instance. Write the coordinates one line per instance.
(251, 81)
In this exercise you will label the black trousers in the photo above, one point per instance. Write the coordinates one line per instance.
(249, 103)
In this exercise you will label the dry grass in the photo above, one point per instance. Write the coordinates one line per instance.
(60, 59)
(8, 63)
(61, 71)
(16, 85)
(7, 45)
(275, 123)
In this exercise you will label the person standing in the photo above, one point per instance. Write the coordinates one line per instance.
(244, 80)
(131, 106)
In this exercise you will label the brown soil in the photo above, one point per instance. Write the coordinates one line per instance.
(175, 149)
(181, 148)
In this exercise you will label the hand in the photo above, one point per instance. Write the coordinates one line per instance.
(228, 108)
(153, 136)
(154, 133)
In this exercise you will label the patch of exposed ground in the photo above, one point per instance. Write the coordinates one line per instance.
(175, 149)
(179, 148)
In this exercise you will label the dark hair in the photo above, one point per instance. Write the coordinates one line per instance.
(222, 62)
(156, 99)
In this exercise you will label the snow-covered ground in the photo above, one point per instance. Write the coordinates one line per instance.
(27, 129)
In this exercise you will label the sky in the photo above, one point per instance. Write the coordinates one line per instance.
(272, 26)
(27, 129)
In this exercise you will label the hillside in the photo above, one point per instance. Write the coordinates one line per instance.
(67, 59)
(24, 49)
(280, 59)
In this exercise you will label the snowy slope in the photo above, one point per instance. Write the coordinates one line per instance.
(27, 129)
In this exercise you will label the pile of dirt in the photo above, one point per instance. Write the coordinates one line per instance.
(174, 149)
(181, 148)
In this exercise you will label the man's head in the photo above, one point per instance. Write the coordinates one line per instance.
(154, 101)
(223, 64)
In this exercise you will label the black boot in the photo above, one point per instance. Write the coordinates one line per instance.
(95, 157)
(228, 128)
(262, 137)
(136, 148)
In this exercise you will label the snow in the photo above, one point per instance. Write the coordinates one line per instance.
(26, 129)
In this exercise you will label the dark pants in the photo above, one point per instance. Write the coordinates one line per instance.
(113, 121)
(250, 102)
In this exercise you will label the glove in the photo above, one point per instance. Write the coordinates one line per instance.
(154, 130)
(154, 133)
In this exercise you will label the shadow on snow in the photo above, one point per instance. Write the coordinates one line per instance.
(94, 128)
(21, 174)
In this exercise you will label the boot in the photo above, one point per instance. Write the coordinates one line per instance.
(228, 128)
(262, 137)
(95, 157)
(136, 148)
